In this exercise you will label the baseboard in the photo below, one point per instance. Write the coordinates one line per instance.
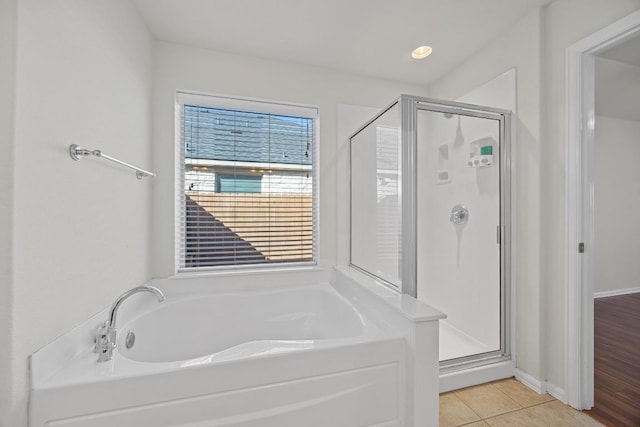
(530, 381)
(605, 294)
(496, 371)
(557, 392)
(539, 386)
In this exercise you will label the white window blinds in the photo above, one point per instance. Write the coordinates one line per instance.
(247, 179)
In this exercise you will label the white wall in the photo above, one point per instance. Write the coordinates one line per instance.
(617, 89)
(186, 68)
(617, 183)
(276, 181)
(519, 48)
(617, 203)
(8, 10)
(565, 22)
(81, 229)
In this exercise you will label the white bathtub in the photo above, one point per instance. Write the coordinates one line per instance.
(299, 356)
(233, 326)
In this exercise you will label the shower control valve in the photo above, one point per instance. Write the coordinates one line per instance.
(459, 215)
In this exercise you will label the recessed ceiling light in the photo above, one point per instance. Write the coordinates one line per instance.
(421, 52)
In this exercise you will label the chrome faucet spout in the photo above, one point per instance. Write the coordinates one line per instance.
(105, 339)
(116, 305)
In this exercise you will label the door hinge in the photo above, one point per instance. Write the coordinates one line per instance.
(581, 247)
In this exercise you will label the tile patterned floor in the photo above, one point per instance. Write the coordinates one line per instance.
(507, 403)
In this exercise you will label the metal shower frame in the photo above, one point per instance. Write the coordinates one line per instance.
(409, 107)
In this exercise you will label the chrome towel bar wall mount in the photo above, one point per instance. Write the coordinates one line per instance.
(78, 153)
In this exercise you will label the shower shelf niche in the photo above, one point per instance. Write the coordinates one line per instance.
(444, 164)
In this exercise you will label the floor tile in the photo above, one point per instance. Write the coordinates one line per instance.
(547, 414)
(557, 410)
(521, 393)
(477, 424)
(453, 412)
(487, 400)
(517, 419)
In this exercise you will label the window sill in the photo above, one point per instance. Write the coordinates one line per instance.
(247, 271)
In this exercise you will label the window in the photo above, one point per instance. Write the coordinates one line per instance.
(246, 179)
(239, 184)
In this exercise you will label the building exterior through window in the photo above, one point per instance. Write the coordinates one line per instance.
(248, 186)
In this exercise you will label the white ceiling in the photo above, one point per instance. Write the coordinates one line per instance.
(367, 37)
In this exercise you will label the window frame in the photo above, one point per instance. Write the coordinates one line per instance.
(185, 97)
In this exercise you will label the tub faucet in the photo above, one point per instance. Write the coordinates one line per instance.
(105, 339)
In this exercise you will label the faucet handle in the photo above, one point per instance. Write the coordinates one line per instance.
(104, 338)
(104, 342)
(100, 337)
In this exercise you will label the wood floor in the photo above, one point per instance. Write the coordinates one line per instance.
(617, 360)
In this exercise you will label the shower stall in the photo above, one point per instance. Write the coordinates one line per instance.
(430, 217)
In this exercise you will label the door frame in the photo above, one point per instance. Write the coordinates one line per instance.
(579, 204)
(410, 106)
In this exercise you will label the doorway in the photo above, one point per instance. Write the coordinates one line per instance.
(580, 215)
(616, 199)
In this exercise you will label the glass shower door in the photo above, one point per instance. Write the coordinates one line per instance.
(459, 209)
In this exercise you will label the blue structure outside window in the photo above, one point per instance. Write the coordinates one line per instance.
(239, 184)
